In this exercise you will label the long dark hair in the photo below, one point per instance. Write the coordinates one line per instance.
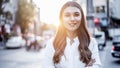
(82, 33)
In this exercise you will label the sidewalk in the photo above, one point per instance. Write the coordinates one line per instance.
(20, 58)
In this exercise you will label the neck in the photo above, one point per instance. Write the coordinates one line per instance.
(71, 34)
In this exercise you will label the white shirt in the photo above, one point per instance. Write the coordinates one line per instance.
(70, 59)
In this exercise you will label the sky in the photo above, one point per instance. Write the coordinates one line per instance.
(49, 10)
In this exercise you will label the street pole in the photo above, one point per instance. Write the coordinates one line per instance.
(1, 1)
(90, 8)
(90, 15)
(108, 16)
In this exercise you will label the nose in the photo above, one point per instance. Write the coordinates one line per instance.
(72, 18)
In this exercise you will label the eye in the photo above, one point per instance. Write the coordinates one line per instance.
(67, 15)
(76, 14)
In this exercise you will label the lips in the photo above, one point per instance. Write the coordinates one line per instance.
(72, 24)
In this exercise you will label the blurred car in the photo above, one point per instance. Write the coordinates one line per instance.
(115, 51)
(15, 42)
(47, 34)
(34, 41)
(100, 37)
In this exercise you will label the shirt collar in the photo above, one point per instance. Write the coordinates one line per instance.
(75, 40)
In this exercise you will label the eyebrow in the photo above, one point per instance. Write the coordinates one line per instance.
(74, 12)
(77, 12)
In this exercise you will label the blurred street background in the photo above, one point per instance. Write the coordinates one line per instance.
(27, 25)
(20, 58)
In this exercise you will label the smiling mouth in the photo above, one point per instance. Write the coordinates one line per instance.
(72, 24)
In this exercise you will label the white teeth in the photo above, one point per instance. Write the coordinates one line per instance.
(72, 24)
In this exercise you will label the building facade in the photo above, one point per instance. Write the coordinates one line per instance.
(9, 9)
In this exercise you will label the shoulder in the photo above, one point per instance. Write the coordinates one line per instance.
(92, 40)
(93, 43)
(50, 41)
(49, 44)
(48, 51)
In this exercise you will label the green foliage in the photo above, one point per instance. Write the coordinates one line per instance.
(25, 13)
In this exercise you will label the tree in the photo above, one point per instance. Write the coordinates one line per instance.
(25, 14)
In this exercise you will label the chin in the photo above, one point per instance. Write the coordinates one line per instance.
(72, 29)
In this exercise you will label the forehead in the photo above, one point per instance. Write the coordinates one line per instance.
(71, 9)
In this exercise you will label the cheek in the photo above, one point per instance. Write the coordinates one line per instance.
(65, 19)
(65, 24)
(78, 21)
(78, 24)
(79, 18)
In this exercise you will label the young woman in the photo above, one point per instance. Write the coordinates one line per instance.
(72, 46)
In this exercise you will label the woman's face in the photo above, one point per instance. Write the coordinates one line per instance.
(71, 18)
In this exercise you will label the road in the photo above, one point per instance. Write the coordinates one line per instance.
(20, 58)
(106, 58)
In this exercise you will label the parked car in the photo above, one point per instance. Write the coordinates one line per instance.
(15, 42)
(32, 39)
(34, 42)
(115, 51)
(100, 37)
